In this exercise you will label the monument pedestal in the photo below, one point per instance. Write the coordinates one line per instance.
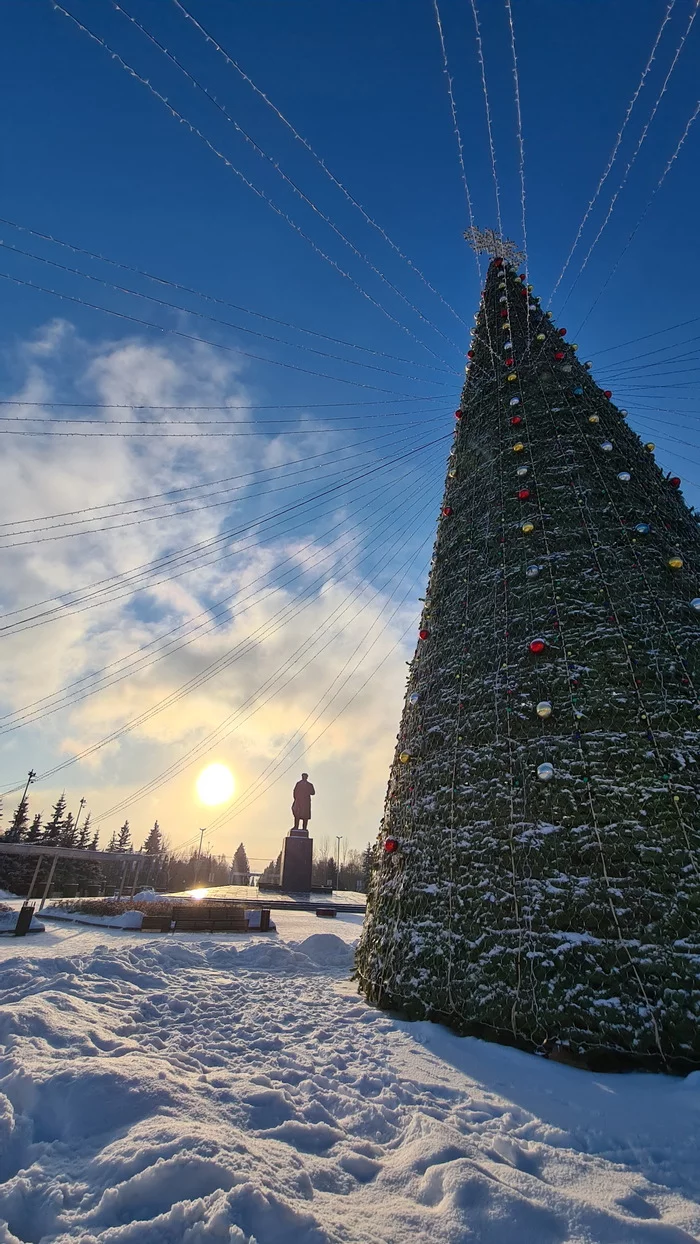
(297, 856)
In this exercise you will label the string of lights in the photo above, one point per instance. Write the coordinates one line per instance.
(178, 116)
(320, 162)
(616, 147)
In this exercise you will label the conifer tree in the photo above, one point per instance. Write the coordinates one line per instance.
(34, 831)
(241, 868)
(536, 875)
(124, 838)
(18, 827)
(53, 827)
(154, 842)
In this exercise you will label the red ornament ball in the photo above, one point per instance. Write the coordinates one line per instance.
(458, 414)
(524, 494)
(522, 277)
(447, 510)
(504, 314)
(391, 845)
(537, 645)
(498, 263)
(470, 354)
(562, 332)
(509, 362)
(516, 420)
(423, 634)
(675, 481)
(607, 392)
(559, 354)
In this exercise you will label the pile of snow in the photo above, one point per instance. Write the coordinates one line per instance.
(8, 921)
(149, 896)
(198, 1089)
(127, 920)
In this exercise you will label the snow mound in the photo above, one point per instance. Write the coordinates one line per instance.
(327, 950)
(217, 1092)
(8, 920)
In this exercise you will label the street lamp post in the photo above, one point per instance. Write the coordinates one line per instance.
(338, 840)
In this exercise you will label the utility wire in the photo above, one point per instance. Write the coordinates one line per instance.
(196, 293)
(140, 575)
(51, 704)
(41, 523)
(213, 319)
(168, 701)
(176, 332)
(273, 685)
(134, 522)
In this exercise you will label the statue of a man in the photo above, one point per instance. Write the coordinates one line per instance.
(301, 807)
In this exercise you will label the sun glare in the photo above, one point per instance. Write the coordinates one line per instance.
(215, 784)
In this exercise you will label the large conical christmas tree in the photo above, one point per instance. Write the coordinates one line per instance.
(536, 878)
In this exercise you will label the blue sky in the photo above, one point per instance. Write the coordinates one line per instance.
(91, 157)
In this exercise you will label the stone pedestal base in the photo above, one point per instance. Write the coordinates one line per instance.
(297, 855)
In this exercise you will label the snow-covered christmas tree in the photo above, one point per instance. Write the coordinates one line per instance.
(536, 879)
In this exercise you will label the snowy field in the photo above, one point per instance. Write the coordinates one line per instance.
(196, 1089)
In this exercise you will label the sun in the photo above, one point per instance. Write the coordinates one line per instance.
(214, 785)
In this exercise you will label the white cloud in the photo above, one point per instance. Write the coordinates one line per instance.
(47, 475)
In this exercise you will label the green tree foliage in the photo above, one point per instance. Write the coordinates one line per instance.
(124, 838)
(17, 829)
(543, 797)
(240, 870)
(54, 826)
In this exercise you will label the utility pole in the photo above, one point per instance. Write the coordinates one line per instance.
(338, 840)
(30, 778)
(202, 832)
(81, 805)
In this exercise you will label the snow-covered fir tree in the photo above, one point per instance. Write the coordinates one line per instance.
(536, 876)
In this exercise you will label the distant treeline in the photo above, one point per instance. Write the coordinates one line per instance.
(168, 871)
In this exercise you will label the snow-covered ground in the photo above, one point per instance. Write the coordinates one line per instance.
(196, 1089)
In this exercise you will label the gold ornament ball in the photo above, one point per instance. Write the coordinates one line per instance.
(650, 446)
(506, 328)
(544, 709)
(541, 337)
(675, 563)
(527, 528)
(512, 376)
(549, 315)
(405, 757)
(574, 345)
(452, 473)
(518, 447)
(594, 419)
